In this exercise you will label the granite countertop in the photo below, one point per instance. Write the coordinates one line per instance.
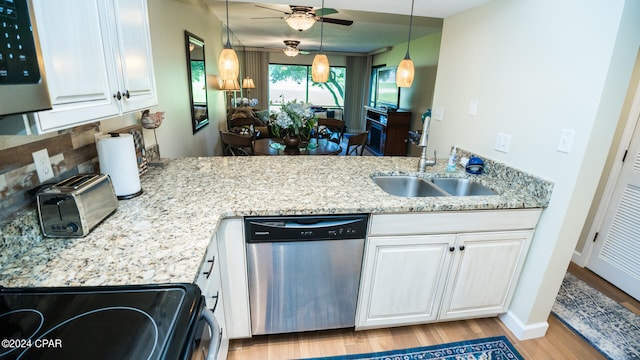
(162, 235)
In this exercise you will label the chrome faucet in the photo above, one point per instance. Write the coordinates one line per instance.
(424, 162)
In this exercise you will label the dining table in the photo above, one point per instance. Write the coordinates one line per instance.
(273, 146)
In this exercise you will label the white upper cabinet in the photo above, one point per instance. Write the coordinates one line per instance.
(133, 56)
(97, 57)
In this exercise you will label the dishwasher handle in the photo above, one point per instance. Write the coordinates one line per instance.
(298, 224)
(305, 228)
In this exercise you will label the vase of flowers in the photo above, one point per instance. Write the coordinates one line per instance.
(293, 123)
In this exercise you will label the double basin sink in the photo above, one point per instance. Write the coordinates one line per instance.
(411, 186)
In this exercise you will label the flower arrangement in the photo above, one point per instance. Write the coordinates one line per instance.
(246, 102)
(295, 118)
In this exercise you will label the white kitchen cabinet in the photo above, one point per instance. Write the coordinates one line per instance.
(484, 273)
(97, 58)
(403, 280)
(424, 267)
(209, 281)
(235, 284)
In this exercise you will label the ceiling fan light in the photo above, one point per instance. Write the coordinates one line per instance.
(228, 64)
(290, 51)
(300, 21)
(405, 73)
(320, 68)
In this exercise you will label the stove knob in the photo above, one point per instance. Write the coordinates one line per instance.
(71, 228)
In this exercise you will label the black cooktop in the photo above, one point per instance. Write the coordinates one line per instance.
(123, 322)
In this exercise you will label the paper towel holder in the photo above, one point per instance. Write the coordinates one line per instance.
(123, 192)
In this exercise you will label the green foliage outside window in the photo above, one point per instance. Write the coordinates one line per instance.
(293, 82)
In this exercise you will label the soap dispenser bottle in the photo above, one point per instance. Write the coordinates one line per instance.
(451, 165)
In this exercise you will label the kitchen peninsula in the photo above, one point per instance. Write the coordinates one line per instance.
(162, 236)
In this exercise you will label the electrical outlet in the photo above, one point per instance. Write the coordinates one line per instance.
(43, 165)
(566, 140)
(502, 142)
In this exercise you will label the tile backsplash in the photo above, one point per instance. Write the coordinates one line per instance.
(71, 152)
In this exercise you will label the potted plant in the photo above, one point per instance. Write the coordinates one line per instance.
(293, 123)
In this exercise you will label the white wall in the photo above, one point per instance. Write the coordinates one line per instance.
(419, 97)
(168, 21)
(537, 67)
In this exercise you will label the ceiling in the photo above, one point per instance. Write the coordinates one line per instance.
(377, 24)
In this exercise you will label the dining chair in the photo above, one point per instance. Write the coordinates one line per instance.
(236, 145)
(333, 129)
(355, 144)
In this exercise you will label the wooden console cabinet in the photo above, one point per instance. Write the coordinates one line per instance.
(387, 131)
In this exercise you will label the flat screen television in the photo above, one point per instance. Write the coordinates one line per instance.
(387, 93)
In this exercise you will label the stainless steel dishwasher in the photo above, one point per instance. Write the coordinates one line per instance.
(303, 271)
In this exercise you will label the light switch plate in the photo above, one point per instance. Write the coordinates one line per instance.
(566, 140)
(473, 107)
(438, 113)
(43, 165)
(502, 142)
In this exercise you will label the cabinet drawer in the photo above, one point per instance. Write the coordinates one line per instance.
(453, 222)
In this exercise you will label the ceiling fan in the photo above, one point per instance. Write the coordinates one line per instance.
(292, 49)
(303, 17)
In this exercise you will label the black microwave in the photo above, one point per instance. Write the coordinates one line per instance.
(23, 87)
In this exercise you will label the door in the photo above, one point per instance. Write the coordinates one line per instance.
(79, 66)
(303, 285)
(403, 279)
(484, 273)
(133, 54)
(616, 255)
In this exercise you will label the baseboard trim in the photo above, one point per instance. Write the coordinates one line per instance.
(522, 331)
(579, 258)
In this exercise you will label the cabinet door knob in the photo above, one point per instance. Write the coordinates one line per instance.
(117, 95)
(126, 94)
(461, 248)
(452, 248)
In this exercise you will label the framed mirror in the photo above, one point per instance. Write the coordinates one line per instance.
(197, 77)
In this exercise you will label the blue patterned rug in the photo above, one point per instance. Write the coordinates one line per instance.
(494, 348)
(608, 326)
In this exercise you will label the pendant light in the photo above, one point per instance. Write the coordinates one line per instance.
(320, 65)
(406, 70)
(228, 64)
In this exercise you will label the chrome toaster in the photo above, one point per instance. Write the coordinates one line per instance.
(74, 206)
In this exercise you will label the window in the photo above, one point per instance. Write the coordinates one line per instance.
(293, 82)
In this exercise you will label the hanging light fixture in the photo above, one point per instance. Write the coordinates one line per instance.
(320, 65)
(300, 20)
(406, 70)
(228, 64)
(291, 48)
(291, 52)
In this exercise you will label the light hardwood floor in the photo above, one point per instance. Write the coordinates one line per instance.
(559, 343)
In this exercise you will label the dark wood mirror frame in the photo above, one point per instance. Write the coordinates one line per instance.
(197, 74)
